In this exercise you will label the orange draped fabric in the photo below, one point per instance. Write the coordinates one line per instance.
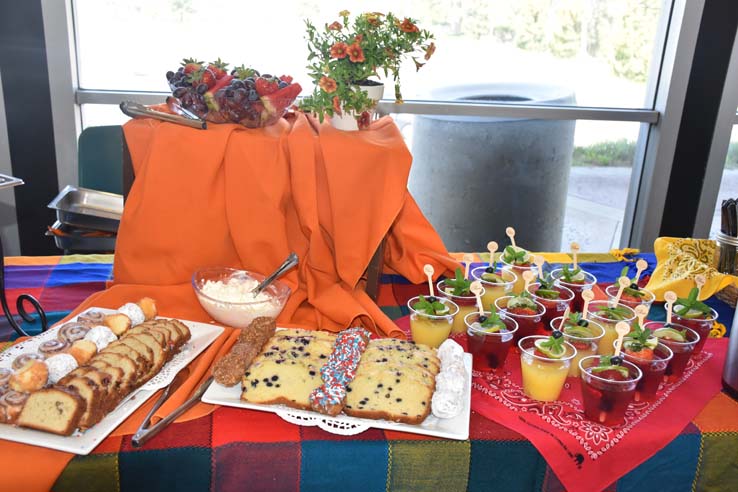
(243, 198)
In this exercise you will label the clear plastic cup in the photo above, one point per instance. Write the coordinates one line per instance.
(493, 291)
(585, 346)
(652, 370)
(489, 350)
(589, 282)
(608, 324)
(554, 307)
(647, 299)
(701, 326)
(528, 324)
(543, 378)
(429, 329)
(605, 400)
(466, 305)
(682, 350)
(518, 271)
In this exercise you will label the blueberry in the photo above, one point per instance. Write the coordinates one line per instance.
(616, 360)
(634, 286)
(170, 75)
(482, 319)
(583, 322)
(667, 325)
(267, 76)
(237, 84)
(253, 96)
(557, 334)
(431, 299)
(282, 84)
(202, 88)
(489, 269)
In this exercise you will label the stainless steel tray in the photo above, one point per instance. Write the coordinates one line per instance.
(91, 209)
(76, 242)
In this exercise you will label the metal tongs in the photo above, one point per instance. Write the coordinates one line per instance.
(146, 432)
(137, 110)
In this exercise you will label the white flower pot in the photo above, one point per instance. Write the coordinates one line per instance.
(346, 121)
(375, 92)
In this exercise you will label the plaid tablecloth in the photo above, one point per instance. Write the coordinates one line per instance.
(246, 450)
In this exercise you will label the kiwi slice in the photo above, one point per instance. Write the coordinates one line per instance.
(622, 370)
(492, 278)
(670, 334)
(553, 351)
(578, 331)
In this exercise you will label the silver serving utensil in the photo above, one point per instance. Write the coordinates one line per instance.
(136, 110)
(291, 261)
(141, 437)
(175, 106)
(179, 378)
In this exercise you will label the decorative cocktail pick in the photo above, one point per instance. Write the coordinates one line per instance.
(574, 252)
(641, 265)
(621, 329)
(528, 277)
(670, 297)
(587, 296)
(511, 234)
(476, 289)
(641, 311)
(563, 319)
(538, 261)
(623, 282)
(429, 271)
(492, 247)
(699, 281)
(468, 258)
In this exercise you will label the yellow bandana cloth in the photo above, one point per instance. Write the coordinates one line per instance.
(679, 260)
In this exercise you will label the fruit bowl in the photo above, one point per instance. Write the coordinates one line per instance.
(243, 96)
(225, 294)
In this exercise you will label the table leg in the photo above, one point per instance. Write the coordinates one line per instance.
(19, 302)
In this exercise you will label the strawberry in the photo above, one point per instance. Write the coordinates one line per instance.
(286, 78)
(203, 76)
(264, 87)
(523, 311)
(277, 102)
(218, 67)
(645, 353)
(242, 72)
(191, 65)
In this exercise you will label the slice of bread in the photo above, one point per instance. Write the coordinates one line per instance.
(55, 410)
(92, 396)
(159, 356)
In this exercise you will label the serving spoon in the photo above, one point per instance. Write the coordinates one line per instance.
(291, 261)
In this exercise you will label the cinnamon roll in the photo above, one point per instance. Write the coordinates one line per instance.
(72, 331)
(91, 318)
(51, 347)
(22, 359)
(11, 404)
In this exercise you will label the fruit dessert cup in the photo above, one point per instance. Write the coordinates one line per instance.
(489, 339)
(608, 316)
(555, 298)
(577, 281)
(632, 296)
(608, 387)
(517, 260)
(544, 365)
(496, 283)
(584, 335)
(696, 316)
(681, 340)
(431, 319)
(525, 311)
(651, 357)
(457, 290)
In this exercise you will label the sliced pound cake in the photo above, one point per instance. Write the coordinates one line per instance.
(56, 410)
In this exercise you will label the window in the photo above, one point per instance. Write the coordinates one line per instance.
(729, 182)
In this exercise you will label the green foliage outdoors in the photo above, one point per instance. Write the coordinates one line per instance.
(617, 153)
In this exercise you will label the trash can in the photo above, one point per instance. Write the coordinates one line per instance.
(473, 176)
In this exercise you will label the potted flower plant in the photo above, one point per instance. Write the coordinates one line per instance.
(346, 53)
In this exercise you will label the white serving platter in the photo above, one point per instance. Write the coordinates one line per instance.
(203, 335)
(453, 428)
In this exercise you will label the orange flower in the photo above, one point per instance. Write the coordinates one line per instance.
(339, 50)
(364, 120)
(327, 84)
(355, 53)
(408, 26)
(430, 50)
(336, 105)
(418, 65)
(359, 38)
(344, 13)
(335, 26)
(373, 18)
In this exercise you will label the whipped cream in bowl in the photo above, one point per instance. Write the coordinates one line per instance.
(225, 293)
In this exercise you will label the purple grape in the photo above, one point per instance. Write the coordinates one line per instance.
(178, 93)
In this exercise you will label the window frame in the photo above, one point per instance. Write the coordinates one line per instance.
(666, 90)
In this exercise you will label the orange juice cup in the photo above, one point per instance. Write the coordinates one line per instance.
(428, 329)
(466, 304)
(543, 378)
